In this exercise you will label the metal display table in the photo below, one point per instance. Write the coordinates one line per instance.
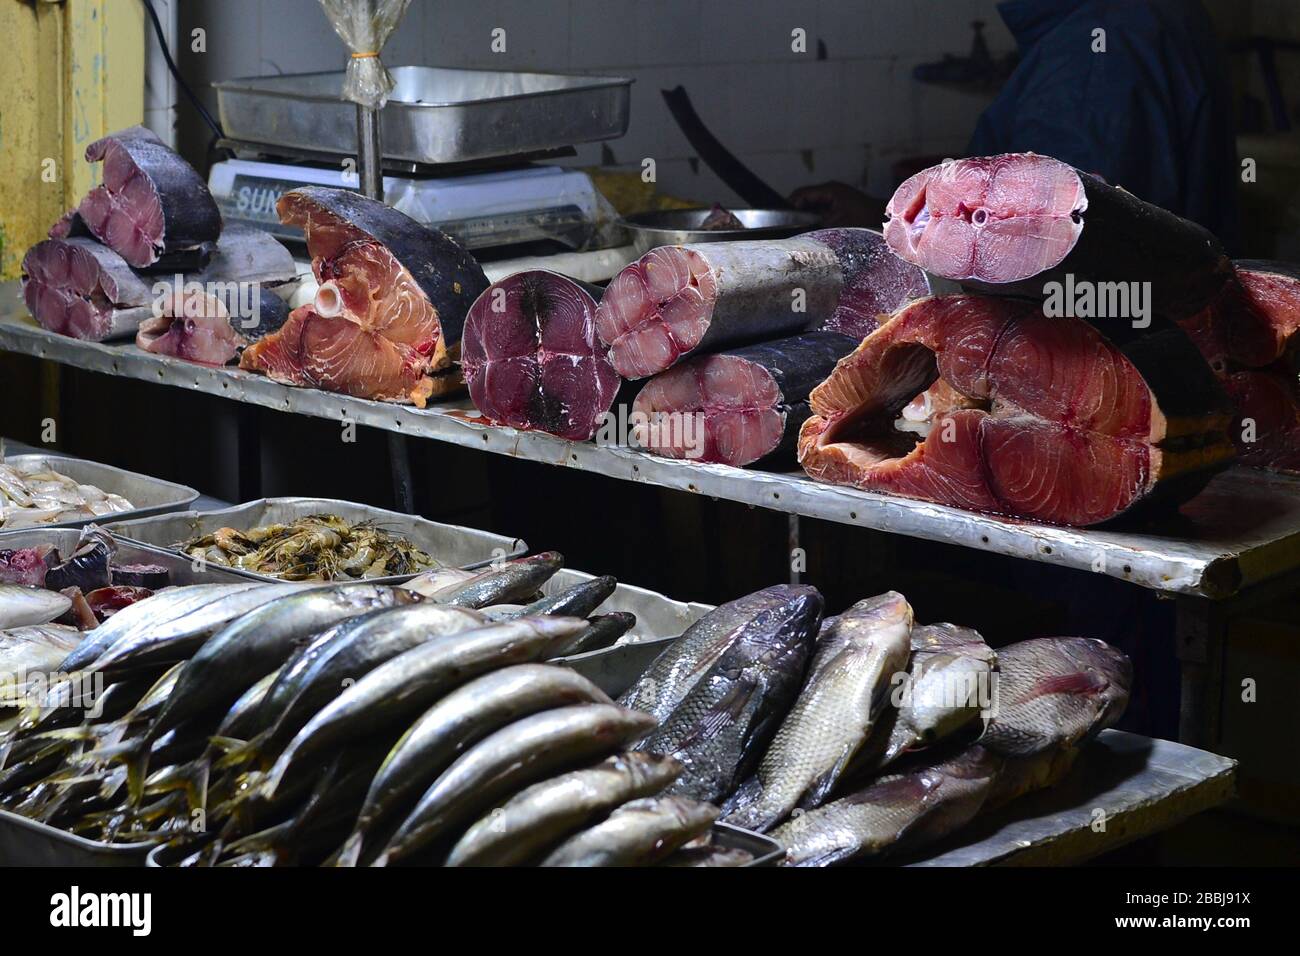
(1235, 545)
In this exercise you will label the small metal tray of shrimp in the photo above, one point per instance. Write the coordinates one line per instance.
(25, 842)
(148, 496)
(449, 545)
(181, 569)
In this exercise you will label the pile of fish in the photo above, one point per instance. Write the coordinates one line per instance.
(34, 494)
(356, 724)
(322, 547)
(145, 255)
(864, 734)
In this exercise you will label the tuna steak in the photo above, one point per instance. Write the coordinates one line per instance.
(1039, 417)
(677, 300)
(80, 288)
(151, 201)
(531, 357)
(387, 319)
(1005, 220)
(739, 406)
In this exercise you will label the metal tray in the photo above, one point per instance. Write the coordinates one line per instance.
(672, 227)
(151, 496)
(659, 622)
(766, 851)
(25, 842)
(451, 544)
(128, 552)
(434, 115)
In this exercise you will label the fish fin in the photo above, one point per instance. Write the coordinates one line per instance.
(1080, 682)
(236, 752)
(381, 860)
(823, 783)
(349, 854)
(137, 768)
(744, 797)
(721, 714)
(273, 777)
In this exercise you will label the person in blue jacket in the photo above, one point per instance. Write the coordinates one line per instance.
(1134, 91)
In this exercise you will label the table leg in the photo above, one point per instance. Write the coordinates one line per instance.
(1201, 634)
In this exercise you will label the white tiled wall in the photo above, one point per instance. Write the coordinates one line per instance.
(795, 118)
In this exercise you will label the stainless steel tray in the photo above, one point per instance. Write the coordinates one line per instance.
(434, 116)
(151, 496)
(128, 552)
(450, 544)
(25, 842)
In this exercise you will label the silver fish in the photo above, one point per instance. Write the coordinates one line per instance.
(536, 819)
(915, 807)
(24, 607)
(636, 834)
(455, 723)
(1052, 692)
(403, 687)
(946, 683)
(522, 753)
(854, 665)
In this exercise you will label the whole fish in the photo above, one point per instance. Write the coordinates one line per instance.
(541, 816)
(32, 649)
(946, 682)
(636, 834)
(178, 638)
(23, 607)
(522, 753)
(853, 668)
(919, 806)
(152, 612)
(404, 686)
(514, 581)
(577, 601)
(601, 631)
(346, 653)
(672, 674)
(259, 642)
(451, 726)
(1055, 691)
(726, 721)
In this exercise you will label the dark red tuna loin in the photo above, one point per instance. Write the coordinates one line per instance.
(532, 359)
(387, 319)
(678, 300)
(1267, 429)
(150, 203)
(739, 406)
(1016, 221)
(82, 289)
(1043, 418)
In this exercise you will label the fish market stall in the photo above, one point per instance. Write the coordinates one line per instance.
(1238, 541)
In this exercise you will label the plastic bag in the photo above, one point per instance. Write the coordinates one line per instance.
(365, 26)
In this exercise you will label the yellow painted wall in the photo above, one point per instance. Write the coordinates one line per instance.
(72, 70)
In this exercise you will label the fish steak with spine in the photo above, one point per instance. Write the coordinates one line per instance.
(532, 359)
(1041, 418)
(387, 318)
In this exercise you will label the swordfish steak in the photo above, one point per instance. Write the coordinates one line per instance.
(1029, 416)
(1014, 221)
(151, 203)
(531, 357)
(387, 319)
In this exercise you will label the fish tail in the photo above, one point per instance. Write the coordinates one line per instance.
(350, 853)
(236, 752)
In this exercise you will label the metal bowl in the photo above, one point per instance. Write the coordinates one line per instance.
(671, 227)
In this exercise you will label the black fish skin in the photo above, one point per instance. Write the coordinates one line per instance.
(190, 214)
(577, 601)
(448, 275)
(723, 725)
